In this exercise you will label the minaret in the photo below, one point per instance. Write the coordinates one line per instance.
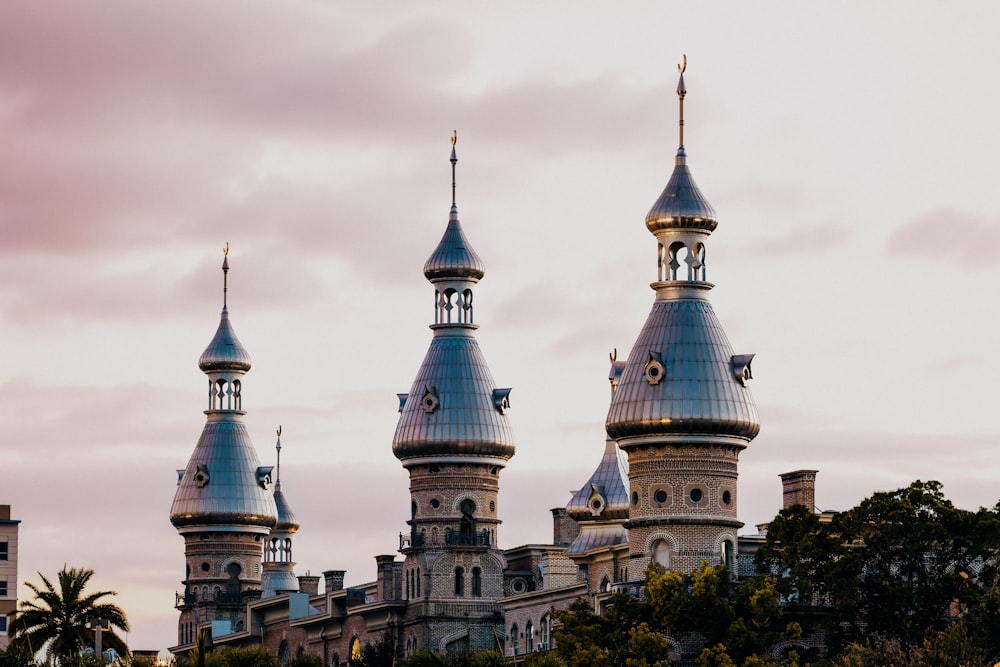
(454, 439)
(682, 410)
(279, 568)
(223, 507)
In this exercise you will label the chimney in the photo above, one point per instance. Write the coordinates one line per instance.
(799, 488)
(564, 528)
(308, 583)
(334, 580)
(386, 577)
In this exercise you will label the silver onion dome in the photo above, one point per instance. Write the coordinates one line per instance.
(605, 495)
(223, 483)
(681, 204)
(454, 257)
(682, 378)
(453, 407)
(225, 352)
(287, 521)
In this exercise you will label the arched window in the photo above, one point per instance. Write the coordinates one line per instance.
(418, 582)
(661, 552)
(514, 644)
(459, 581)
(605, 585)
(355, 649)
(283, 655)
(467, 524)
(728, 558)
(529, 637)
(545, 633)
(477, 582)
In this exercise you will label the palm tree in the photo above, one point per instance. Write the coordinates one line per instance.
(56, 620)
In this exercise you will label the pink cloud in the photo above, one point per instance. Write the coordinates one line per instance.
(968, 238)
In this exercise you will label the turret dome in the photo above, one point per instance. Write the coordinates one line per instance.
(225, 352)
(454, 258)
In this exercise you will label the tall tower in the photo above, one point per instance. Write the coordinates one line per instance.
(279, 568)
(454, 439)
(223, 507)
(682, 410)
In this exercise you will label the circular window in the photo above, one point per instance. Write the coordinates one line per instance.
(435, 503)
(205, 567)
(653, 372)
(696, 495)
(635, 498)
(596, 504)
(727, 497)
(660, 496)
(518, 586)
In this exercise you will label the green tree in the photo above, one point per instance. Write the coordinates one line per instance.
(16, 656)
(256, 656)
(56, 619)
(380, 653)
(494, 659)
(912, 558)
(546, 659)
(694, 603)
(304, 659)
(715, 656)
(425, 658)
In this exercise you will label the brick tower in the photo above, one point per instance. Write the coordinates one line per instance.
(682, 410)
(453, 438)
(223, 507)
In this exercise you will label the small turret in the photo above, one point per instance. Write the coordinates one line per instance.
(279, 568)
(681, 406)
(223, 506)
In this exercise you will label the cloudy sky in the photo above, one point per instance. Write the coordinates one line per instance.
(850, 151)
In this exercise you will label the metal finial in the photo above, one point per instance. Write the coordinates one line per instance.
(277, 446)
(454, 161)
(225, 274)
(681, 92)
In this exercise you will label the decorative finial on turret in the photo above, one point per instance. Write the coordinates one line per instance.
(225, 275)
(681, 92)
(277, 446)
(454, 161)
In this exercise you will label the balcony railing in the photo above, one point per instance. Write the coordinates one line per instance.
(467, 539)
(410, 540)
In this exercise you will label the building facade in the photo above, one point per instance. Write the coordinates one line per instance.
(664, 488)
(8, 571)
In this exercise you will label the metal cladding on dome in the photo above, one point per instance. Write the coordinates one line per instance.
(287, 521)
(605, 495)
(276, 579)
(453, 408)
(225, 352)
(681, 204)
(695, 389)
(223, 483)
(454, 258)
